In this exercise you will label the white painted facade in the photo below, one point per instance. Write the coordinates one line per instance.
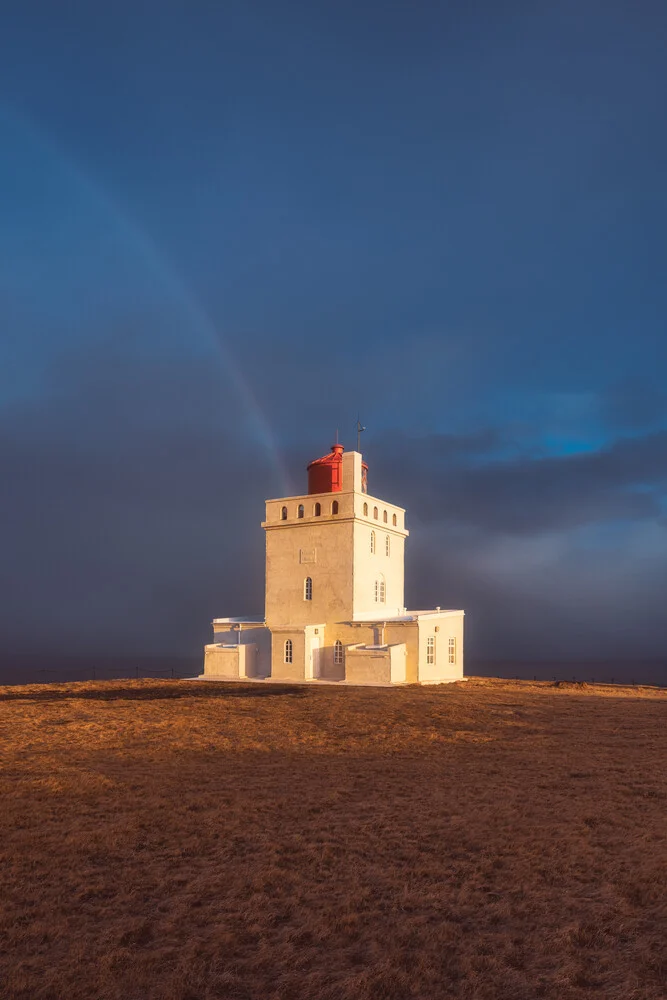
(334, 599)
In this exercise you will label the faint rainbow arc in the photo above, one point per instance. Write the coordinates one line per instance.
(167, 273)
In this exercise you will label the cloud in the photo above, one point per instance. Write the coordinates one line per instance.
(550, 556)
(134, 488)
(635, 404)
(134, 493)
(443, 479)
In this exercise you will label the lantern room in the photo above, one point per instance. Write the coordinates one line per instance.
(325, 475)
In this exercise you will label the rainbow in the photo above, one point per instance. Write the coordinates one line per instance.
(198, 322)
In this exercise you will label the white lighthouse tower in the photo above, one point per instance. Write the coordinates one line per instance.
(334, 604)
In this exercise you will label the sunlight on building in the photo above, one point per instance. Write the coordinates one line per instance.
(334, 606)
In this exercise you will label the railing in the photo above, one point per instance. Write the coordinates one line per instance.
(95, 673)
(27, 670)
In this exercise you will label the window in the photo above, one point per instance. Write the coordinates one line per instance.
(394, 520)
(452, 649)
(334, 507)
(288, 650)
(308, 589)
(375, 513)
(380, 591)
(300, 511)
(387, 545)
(430, 649)
(384, 516)
(283, 514)
(338, 652)
(372, 541)
(365, 510)
(318, 509)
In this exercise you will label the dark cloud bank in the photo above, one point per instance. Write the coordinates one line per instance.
(132, 495)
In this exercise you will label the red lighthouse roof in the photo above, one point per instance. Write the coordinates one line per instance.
(325, 475)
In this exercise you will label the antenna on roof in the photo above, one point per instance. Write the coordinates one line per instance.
(360, 428)
(336, 435)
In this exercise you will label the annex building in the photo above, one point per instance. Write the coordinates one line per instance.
(335, 606)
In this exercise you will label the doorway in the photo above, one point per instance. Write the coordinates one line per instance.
(313, 665)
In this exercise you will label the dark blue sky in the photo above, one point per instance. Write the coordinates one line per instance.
(227, 227)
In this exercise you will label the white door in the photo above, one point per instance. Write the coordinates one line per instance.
(314, 658)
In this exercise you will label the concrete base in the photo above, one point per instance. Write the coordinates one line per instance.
(315, 682)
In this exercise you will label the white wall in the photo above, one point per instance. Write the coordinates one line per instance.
(375, 665)
(441, 628)
(233, 662)
(259, 637)
(369, 567)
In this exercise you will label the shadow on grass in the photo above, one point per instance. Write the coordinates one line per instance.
(153, 693)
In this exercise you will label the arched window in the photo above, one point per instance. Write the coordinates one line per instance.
(334, 507)
(384, 516)
(300, 511)
(380, 591)
(338, 652)
(288, 650)
(372, 541)
(283, 514)
(318, 509)
(375, 513)
(387, 546)
(308, 589)
(394, 520)
(365, 510)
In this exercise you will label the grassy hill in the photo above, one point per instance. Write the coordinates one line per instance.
(188, 841)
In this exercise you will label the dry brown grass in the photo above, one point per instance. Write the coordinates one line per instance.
(186, 841)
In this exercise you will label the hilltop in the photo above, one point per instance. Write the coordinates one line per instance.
(189, 841)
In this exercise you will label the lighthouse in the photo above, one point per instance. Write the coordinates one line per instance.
(334, 595)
